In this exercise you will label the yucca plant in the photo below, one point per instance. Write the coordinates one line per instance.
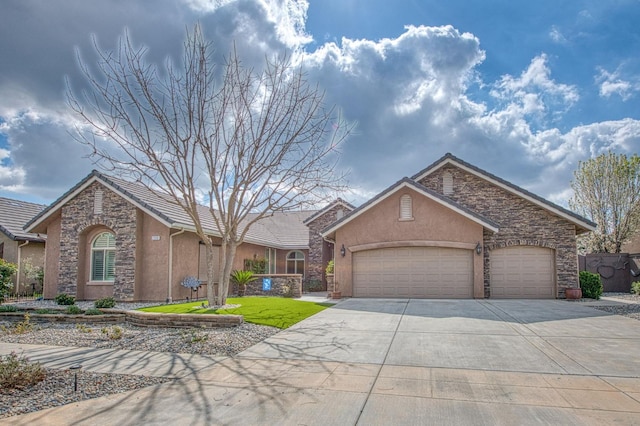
(242, 278)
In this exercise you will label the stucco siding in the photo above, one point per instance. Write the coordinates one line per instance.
(433, 225)
(52, 258)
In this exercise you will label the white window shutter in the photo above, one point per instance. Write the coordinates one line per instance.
(447, 183)
(97, 202)
(406, 209)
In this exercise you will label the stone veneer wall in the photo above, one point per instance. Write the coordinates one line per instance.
(279, 285)
(520, 221)
(77, 217)
(317, 260)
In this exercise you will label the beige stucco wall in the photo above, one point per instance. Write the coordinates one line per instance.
(52, 258)
(35, 251)
(433, 225)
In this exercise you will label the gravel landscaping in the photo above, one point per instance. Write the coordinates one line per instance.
(57, 388)
(630, 309)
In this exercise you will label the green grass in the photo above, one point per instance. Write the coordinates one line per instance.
(273, 311)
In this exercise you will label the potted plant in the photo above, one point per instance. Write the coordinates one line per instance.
(242, 278)
(331, 282)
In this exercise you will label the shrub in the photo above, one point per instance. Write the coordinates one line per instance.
(107, 302)
(7, 269)
(65, 299)
(591, 285)
(21, 327)
(93, 311)
(82, 328)
(329, 269)
(194, 336)
(113, 333)
(74, 310)
(312, 285)
(18, 372)
(8, 308)
(45, 311)
(635, 287)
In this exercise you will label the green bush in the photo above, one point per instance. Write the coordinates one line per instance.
(635, 287)
(312, 285)
(93, 311)
(65, 299)
(107, 302)
(74, 310)
(18, 372)
(591, 285)
(329, 269)
(8, 308)
(45, 311)
(7, 269)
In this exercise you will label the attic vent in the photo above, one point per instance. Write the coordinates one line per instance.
(447, 183)
(97, 202)
(406, 209)
(339, 214)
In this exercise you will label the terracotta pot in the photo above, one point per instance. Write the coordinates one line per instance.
(573, 293)
(335, 295)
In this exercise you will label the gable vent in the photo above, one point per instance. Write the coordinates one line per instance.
(406, 209)
(447, 183)
(97, 202)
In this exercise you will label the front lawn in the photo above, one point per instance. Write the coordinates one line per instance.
(273, 311)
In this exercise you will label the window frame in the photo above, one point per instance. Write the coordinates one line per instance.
(295, 261)
(105, 259)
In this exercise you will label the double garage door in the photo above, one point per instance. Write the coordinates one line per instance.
(435, 272)
(415, 272)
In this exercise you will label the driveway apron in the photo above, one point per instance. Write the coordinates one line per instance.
(400, 361)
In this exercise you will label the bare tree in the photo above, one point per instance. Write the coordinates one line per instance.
(607, 189)
(248, 142)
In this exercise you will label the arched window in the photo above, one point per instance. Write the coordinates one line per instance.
(295, 262)
(406, 208)
(103, 257)
(447, 183)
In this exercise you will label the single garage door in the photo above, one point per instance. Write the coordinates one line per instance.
(416, 272)
(522, 272)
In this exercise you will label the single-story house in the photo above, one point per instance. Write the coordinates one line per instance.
(454, 230)
(16, 245)
(110, 237)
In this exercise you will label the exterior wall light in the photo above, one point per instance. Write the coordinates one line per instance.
(478, 248)
(343, 251)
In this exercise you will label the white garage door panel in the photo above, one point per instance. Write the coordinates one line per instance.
(416, 272)
(522, 272)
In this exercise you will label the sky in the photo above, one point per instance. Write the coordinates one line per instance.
(523, 90)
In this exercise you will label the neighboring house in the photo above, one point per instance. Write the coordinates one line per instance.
(16, 245)
(111, 237)
(456, 231)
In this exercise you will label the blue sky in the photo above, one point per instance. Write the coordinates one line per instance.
(524, 90)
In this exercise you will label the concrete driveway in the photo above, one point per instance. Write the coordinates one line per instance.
(394, 361)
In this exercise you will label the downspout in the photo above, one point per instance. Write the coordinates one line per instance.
(169, 298)
(20, 264)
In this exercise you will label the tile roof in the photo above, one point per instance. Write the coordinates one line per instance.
(282, 230)
(317, 214)
(14, 215)
(542, 202)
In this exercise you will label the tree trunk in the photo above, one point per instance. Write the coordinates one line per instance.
(228, 253)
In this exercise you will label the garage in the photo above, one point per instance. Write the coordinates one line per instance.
(522, 272)
(414, 272)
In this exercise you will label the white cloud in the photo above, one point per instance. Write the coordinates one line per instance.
(288, 16)
(611, 83)
(556, 35)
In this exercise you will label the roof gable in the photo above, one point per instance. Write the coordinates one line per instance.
(410, 183)
(449, 159)
(14, 214)
(319, 213)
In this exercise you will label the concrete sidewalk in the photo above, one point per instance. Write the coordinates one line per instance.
(152, 364)
(373, 362)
